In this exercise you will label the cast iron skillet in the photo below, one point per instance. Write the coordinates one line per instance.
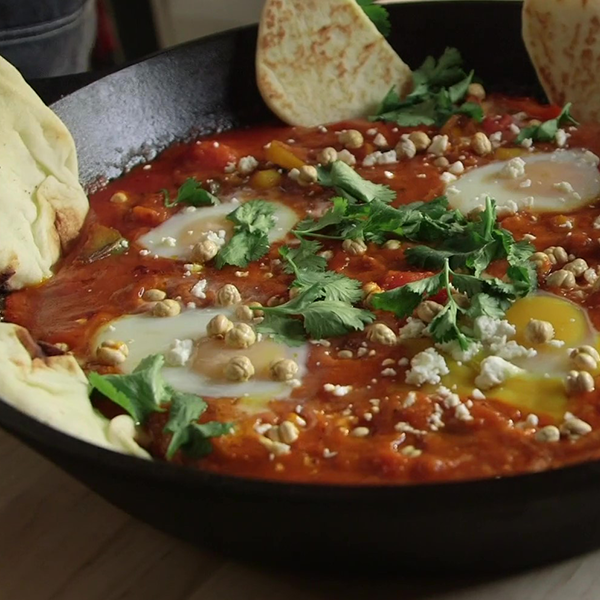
(482, 525)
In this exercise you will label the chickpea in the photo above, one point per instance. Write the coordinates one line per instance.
(204, 251)
(370, 289)
(578, 267)
(283, 369)
(327, 155)
(578, 382)
(420, 140)
(477, 91)
(561, 279)
(288, 432)
(119, 198)
(429, 310)
(239, 368)
(461, 299)
(480, 144)
(244, 313)
(442, 162)
(154, 295)
(218, 326)
(574, 427)
(112, 353)
(539, 332)
(351, 139)
(557, 255)
(307, 175)
(585, 358)
(228, 295)
(541, 260)
(256, 306)
(381, 334)
(393, 245)
(240, 335)
(354, 247)
(406, 149)
(166, 308)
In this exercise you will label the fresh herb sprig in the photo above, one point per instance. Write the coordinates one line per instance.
(439, 90)
(250, 241)
(191, 193)
(546, 132)
(145, 391)
(378, 14)
(324, 302)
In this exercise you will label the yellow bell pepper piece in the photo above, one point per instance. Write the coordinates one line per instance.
(281, 154)
(264, 180)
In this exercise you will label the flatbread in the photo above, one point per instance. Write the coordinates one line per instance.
(321, 61)
(42, 204)
(563, 41)
(54, 390)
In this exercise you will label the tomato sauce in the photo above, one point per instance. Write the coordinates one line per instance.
(91, 288)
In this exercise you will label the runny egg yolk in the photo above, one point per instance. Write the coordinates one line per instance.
(540, 389)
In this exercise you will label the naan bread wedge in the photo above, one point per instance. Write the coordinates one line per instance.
(54, 390)
(563, 41)
(42, 204)
(321, 61)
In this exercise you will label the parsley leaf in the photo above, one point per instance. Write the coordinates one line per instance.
(141, 392)
(191, 193)
(378, 14)
(253, 220)
(546, 132)
(439, 88)
(193, 438)
(351, 186)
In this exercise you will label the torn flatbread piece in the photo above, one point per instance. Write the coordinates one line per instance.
(42, 204)
(563, 41)
(54, 390)
(321, 61)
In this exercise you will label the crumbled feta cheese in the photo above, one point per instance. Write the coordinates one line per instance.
(515, 129)
(199, 289)
(496, 138)
(144, 252)
(513, 169)
(372, 132)
(495, 371)
(380, 141)
(492, 330)
(457, 168)
(477, 394)
(179, 353)
(414, 328)
(525, 184)
(439, 145)
(247, 164)
(347, 157)
(527, 143)
(388, 175)
(337, 390)
(511, 350)
(388, 372)
(229, 167)
(169, 241)
(327, 453)
(217, 237)
(556, 343)
(410, 399)
(322, 129)
(461, 412)
(590, 158)
(404, 427)
(511, 207)
(561, 138)
(294, 174)
(426, 367)
(457, 353)
(447, 178)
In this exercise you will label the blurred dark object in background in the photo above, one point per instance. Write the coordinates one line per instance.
(49, 38)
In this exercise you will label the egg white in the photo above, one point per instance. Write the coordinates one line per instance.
(203, 373)
(561, 181)
(176, 237)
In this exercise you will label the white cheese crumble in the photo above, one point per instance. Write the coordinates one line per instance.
(447, 178)
(457, 353)
(179, 353)
(511, 350)
(439, 145)
(457, 168)
(380, 158)
(426, 367)
(199, 289)
(410, 399)
(337, 390)
(525, 184)
(247, 164)
(380, 141)
(561, 138)
(347, 157)
(493, 331)
(414, 328)
(495, 371)
(477, 394)
(169, 241)
(513, 169)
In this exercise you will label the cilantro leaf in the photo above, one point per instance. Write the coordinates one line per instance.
(490, 306)
(378, 14)
(200, 434)
(185, 410)
(334, 286)
(253, 220)
(439, 88)
(283, 329)
(303, 257)
(333, 216)
(141, 392)
(330, 318)
(191, 193)
(350, 185)
(403, 300)
(546, 132)
(444, 327)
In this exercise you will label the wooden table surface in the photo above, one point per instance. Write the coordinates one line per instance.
(59, 541)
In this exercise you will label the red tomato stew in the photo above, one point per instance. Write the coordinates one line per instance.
(378, 341)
